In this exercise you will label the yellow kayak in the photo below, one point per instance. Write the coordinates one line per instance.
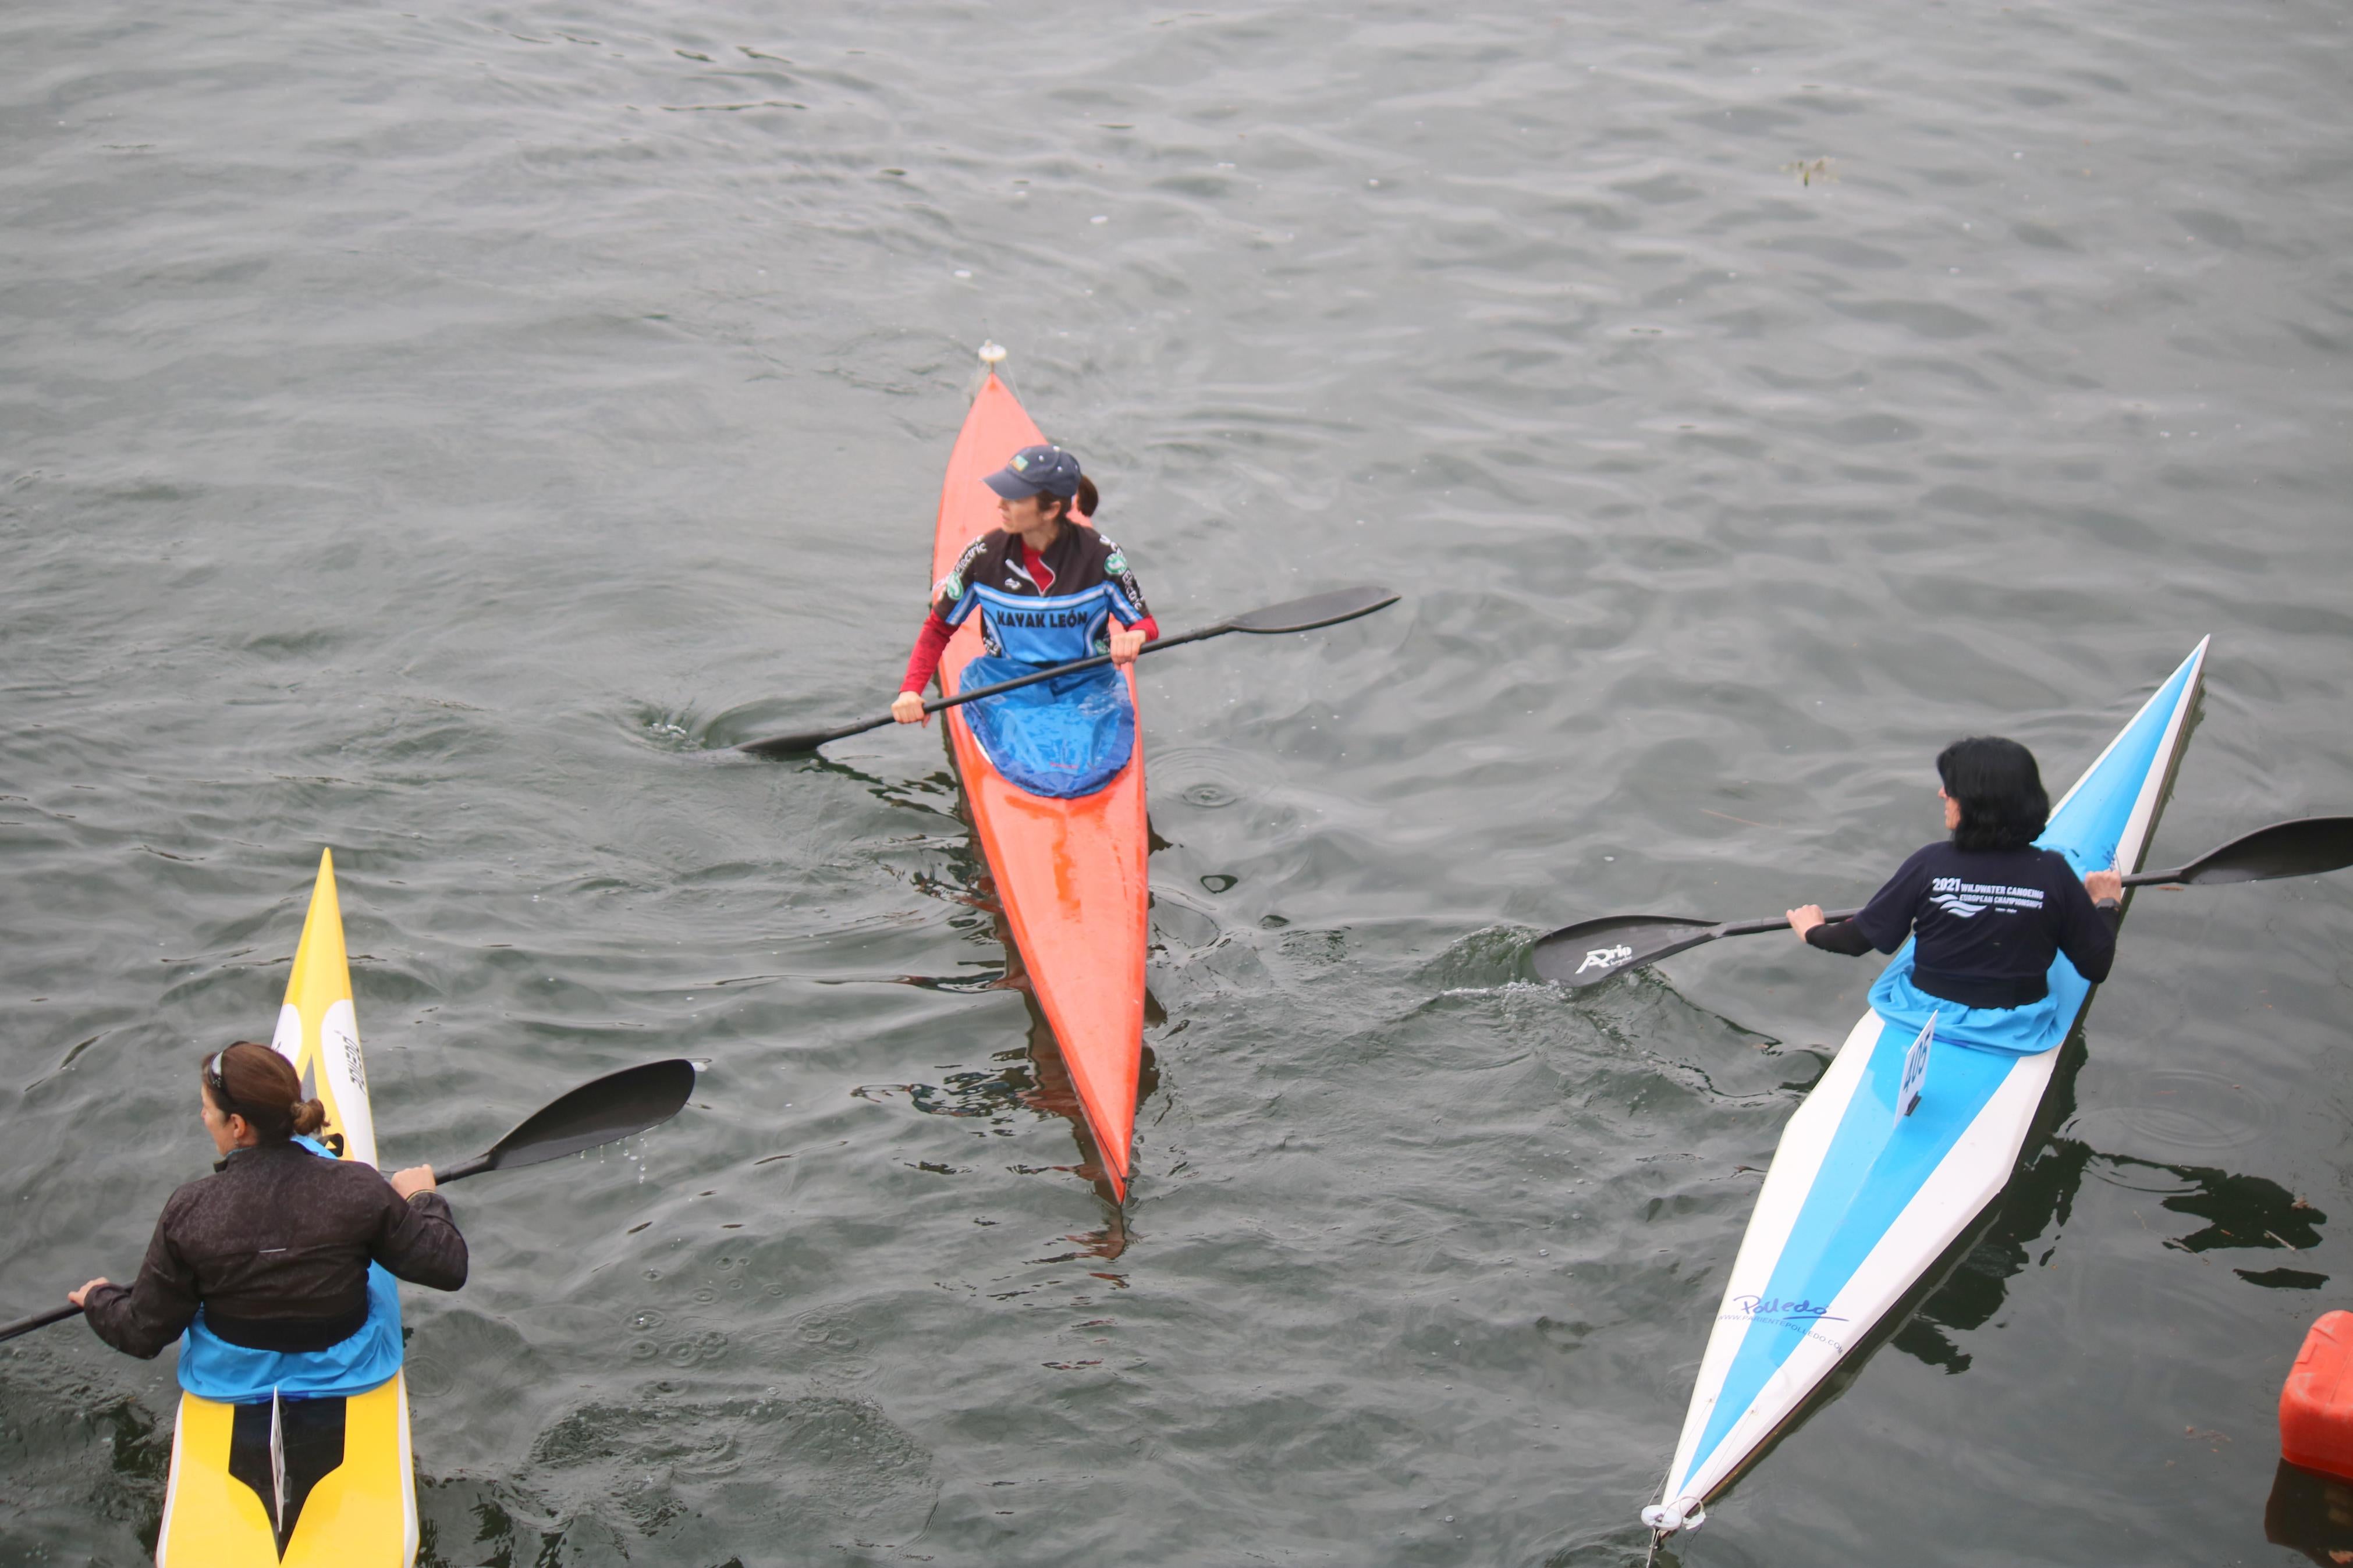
(302, 1483)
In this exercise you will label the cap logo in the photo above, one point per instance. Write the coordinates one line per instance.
(1020, 464)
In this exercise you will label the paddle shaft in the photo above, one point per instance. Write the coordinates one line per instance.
(937, 704)
(660, 1086)
(1098, 661)
(2179, 873)
(458, 1172)
(1309, 613)
(1781, 922)
(40, 1321)
(2306, 847)
(473, 1167)
(1758, 928)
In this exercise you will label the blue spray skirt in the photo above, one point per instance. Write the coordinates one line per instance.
(1061, 738)
(212, 1368)
(2011, 1031)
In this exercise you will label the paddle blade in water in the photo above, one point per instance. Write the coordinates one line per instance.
(808, 740)
(618, 1105)
(1591, 953)
(787, 745)
(1316, 610)
(2303, 848)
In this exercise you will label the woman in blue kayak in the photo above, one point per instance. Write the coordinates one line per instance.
(1987, 911)
(274, 1265)
(1048, 590)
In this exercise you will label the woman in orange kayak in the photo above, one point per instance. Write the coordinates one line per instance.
(1050, 590)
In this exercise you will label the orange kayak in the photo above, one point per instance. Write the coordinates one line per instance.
(1069, 873)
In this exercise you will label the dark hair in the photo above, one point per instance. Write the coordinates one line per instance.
(251, 1080)
(2003, 805)
(1083, 503)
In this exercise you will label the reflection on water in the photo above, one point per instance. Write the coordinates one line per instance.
(2250, 1211)
(1033, 1079)
(2312, 1512)
(585, 426)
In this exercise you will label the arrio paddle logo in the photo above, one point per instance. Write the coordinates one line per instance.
(1605, 958)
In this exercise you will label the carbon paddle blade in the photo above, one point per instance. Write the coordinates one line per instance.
(618, 1105)
(1316, 610)
(808, 741)
(785, 745)
(2305, 848)
(1591, 952)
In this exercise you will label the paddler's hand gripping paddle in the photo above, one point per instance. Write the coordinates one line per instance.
(1593, 950)
(1296, 615)
(618, 1105)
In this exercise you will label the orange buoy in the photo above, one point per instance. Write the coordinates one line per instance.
(2316, 1405)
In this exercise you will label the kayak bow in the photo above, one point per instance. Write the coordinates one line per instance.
(309, 1483)
(1070, 874)
(1862, 1203)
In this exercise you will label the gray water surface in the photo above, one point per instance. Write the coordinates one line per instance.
(430, 434)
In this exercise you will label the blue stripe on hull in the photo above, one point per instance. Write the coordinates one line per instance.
(1873, 1168)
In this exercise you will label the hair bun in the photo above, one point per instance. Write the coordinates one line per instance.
(256, 1083)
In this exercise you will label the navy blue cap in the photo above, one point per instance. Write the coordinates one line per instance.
(1033, 470)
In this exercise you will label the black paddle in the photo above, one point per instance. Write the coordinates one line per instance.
(618, 1105)
(1297, 615)
(1591, 952)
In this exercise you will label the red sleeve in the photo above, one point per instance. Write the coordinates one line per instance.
(1149, 628)
(930, 643)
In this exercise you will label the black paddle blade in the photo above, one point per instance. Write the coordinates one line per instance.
(1592, 950)
(1316, 610)
(787, 745)
(807, 740)
(2302, 848)
(618, 1105)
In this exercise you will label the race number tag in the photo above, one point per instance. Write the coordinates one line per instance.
(1915, 1072)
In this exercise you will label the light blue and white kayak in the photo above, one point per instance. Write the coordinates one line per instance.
(1861, 1202)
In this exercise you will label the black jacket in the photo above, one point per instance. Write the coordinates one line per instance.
(275, 1247)
(1987, 924)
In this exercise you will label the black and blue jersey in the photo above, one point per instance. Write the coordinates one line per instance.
(1051, 608)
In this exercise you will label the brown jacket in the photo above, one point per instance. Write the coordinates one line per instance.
(275, 1247)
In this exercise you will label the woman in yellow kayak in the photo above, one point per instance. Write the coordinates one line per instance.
(1048, 590)
(275, 1267)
